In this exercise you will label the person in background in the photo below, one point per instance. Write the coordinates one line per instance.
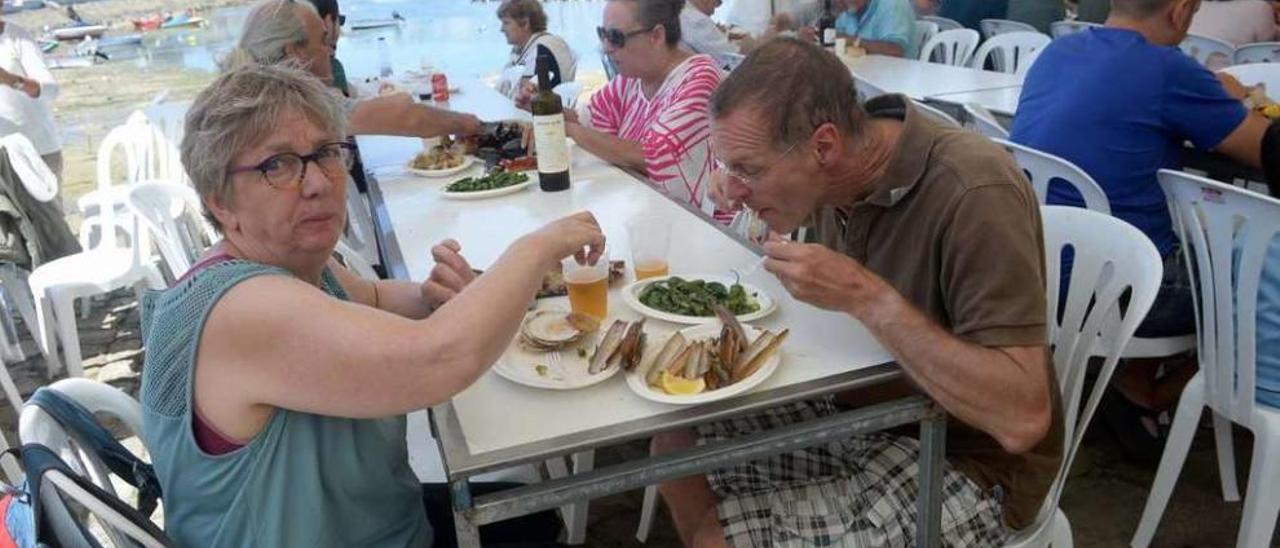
(524, 24)
(766, 18)
(1239, 22)
(1037, 13)
(970, 12)
(291, 31)
(1131, 103)
(26, 91)
(652, 117)
(1093, 11)
(700, 34)
(333, 20)
(883, 27)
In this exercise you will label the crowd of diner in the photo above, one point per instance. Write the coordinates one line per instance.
(277, 379)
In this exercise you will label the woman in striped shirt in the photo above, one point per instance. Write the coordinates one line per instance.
(653, 116)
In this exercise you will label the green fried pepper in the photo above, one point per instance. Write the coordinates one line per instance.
(676, 295)
(492, 181)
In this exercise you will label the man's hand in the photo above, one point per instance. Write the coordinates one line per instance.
(1233, 86)
(826, 279)
(450, 275)
(8, 78)
(466, 124)
(524, 94)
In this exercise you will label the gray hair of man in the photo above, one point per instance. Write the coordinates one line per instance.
(795, 86)
(269, 29)
(242, 107)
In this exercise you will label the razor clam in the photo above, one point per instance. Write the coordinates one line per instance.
(632, 347)
(695, 361)
(763, 356)
(652, 370)
(677, 365)
(607, 348)
(755, 348)
(730, 321)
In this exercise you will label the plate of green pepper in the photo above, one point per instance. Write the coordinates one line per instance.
(490, 185)
(691, 299)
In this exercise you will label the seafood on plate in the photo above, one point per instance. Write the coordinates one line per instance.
(684, 367)
(555, 330)
(442, 156)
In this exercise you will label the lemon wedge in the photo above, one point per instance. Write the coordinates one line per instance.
(680, 386)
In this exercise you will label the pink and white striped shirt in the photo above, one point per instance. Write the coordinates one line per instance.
(673, 126)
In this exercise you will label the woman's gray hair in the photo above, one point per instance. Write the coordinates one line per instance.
(270, 28)
(242, 107)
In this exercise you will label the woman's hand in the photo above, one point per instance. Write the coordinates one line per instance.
(578, 235)
(450, 275)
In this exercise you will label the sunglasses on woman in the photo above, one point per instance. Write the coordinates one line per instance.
(616, 38)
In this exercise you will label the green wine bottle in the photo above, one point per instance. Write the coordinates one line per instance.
(548, 126)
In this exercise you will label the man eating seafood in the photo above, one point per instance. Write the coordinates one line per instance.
(931, 238)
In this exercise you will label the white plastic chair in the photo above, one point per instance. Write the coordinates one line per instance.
(935, 114)
(1058, 29)
(984, 122)
(73, 531)
(38, 180)
(147, 156)
(36, 426)
(360, 233)
(1267, 74)
(1010, 52)
(728, 61)
(1258, 52)
(994, 27)
(1230, 232)
(944, 23)
(1042, 167)
(171, 214)
(952, 47)
(1110, 257)
(926, 30)
(569, 93)
(105, 267)
(354, 261)
(1210, 52)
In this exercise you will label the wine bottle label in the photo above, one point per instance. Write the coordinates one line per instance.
(828, 36)
(548, 137)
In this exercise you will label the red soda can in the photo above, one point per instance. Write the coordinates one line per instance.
(439, 87)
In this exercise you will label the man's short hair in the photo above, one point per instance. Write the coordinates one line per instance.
(795, 86)
(1139, 8)
(528, 10)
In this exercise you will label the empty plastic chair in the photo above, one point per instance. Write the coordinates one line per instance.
(993, 27)
(985, 123)
(951, 47)
(1042, 167)
(944, 24)
(1210, 52)
(171, 214)
(925, 31)
(1058, 29)
(1010, 52)
(934, 113)
(1258, 52)
(1231, 233)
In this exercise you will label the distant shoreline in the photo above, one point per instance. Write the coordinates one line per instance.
(116, 14)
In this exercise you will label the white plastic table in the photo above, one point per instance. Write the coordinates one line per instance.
(1002, 101)
(496, 423)
(923, 80)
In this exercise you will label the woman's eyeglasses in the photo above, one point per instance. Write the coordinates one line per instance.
(617, 38)
(286, 170)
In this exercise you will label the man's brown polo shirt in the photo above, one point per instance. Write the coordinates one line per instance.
(955, 227)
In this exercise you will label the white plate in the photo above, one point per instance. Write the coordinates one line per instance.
(635, 379)
(631, 295)
(466, 163)
(482, 194)
(520, 366)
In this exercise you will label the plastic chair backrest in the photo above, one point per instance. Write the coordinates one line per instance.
(943, 23)
(1267, 74)
(1210, 52)
(72, 531)
(1228, 232)
(569, 92)
(354, 261)
(1058, 29)
(171, 212)
(953, 47)
(933, 113)
(985, 122)
(35, 175)
(148, 154)
(1042, 167)
(994, 27)
(1010, 52)
(926, 30)
(1109, 258)
(728, 60)
(37, 426)
(1258, 52)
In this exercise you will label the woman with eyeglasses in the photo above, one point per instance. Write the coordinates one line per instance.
(653, 116)
(276, 381)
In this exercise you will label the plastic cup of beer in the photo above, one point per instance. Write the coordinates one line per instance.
(650, 239)
(588, 286)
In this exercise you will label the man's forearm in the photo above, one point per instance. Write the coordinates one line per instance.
(986, 388)
(878, 47)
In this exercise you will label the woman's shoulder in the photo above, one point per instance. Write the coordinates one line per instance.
(700, 67)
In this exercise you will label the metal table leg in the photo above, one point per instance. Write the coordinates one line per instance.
(467, 530)
(933, 432)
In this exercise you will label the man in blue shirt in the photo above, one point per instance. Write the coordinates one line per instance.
(885, 27)
(1120, 102)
